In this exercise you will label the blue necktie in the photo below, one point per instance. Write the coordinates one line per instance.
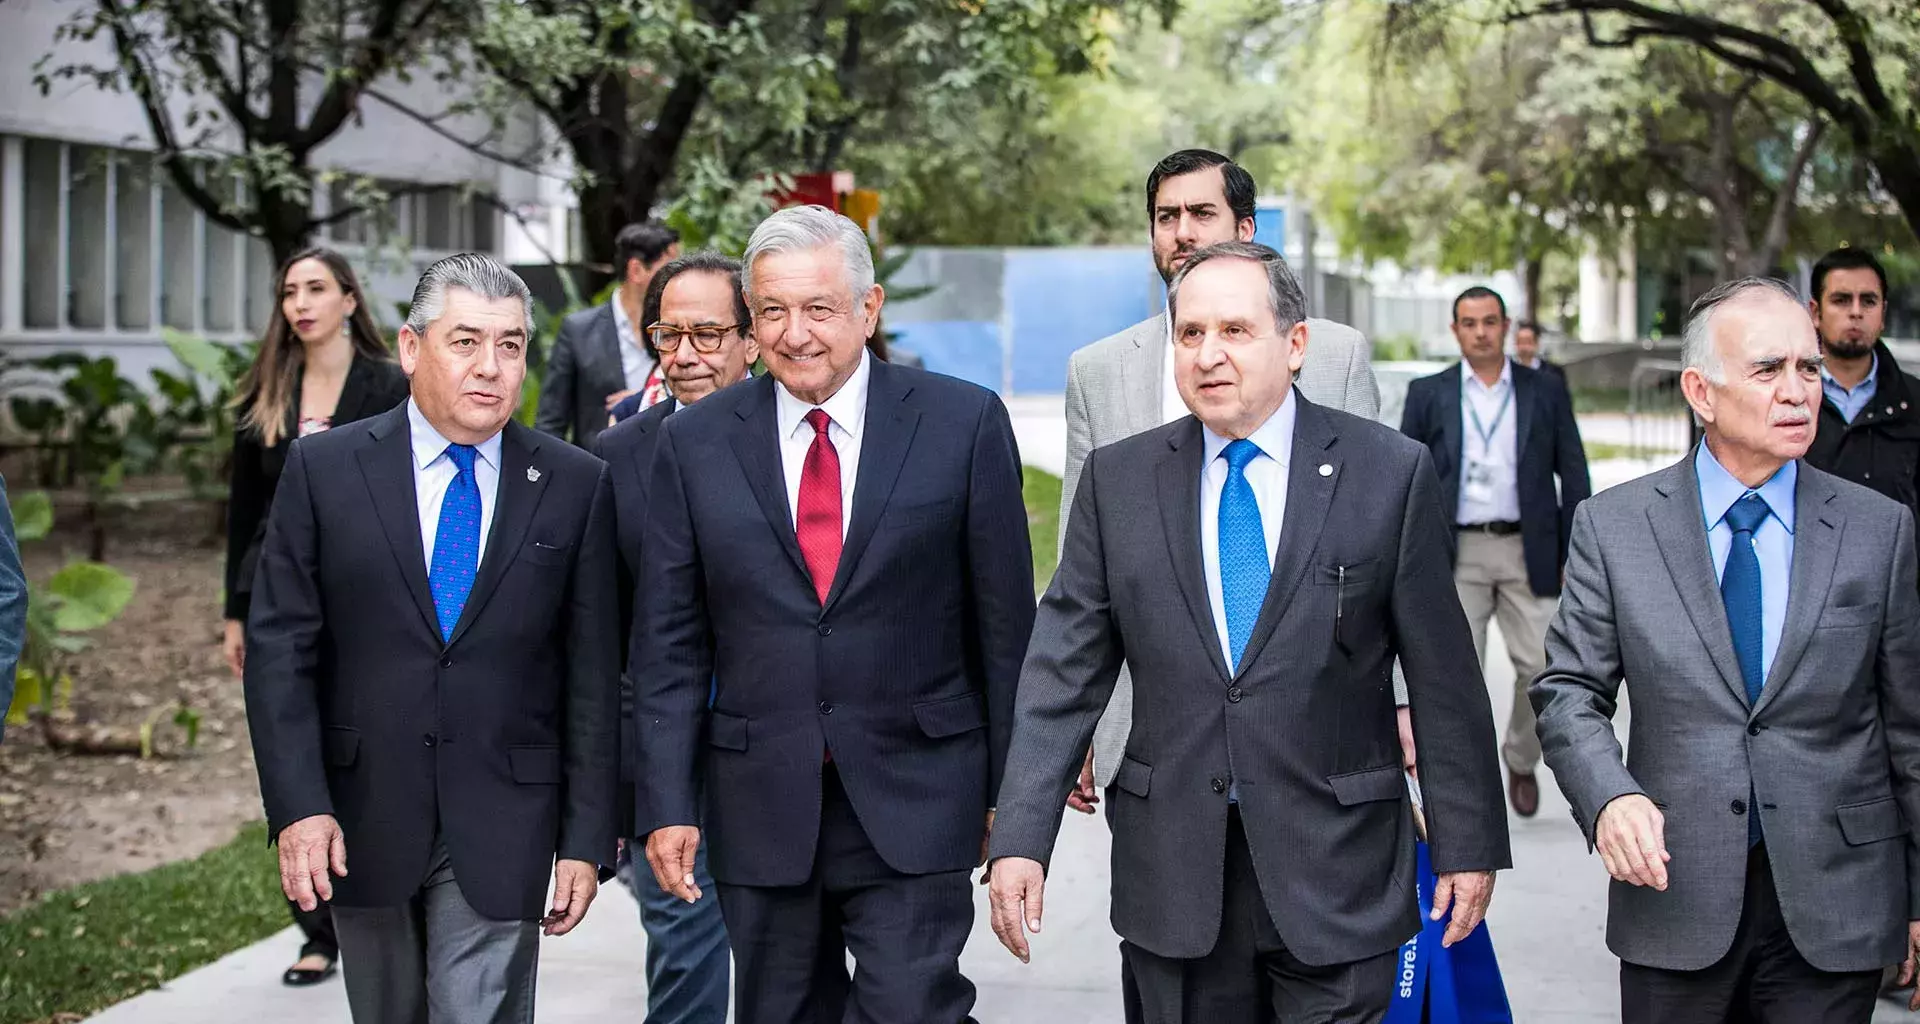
(1740, 590)
(1244, 571)
(456, 544)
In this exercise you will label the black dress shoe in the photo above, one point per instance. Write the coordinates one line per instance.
(300, 978)
(1523, 790)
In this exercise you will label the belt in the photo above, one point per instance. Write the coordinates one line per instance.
(1506, 529)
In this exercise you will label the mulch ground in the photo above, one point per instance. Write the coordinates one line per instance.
(67, 819)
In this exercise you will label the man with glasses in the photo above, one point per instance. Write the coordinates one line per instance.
(1869, 426)
(696, 319)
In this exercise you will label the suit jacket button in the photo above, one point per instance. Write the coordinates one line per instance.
(446, 662)
(826, 630)
(1234, 693)
(1219, 785)
(430, 740)
(1739, 807)
(826, 707)
(1754, 729)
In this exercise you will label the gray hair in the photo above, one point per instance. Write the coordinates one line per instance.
(1696, 339)
(469, 271)
(1284, 295)
(805, 228)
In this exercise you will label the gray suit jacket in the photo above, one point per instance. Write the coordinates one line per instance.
(582, 371)
(1305, 727)
(1114, 392)
(1831, 751)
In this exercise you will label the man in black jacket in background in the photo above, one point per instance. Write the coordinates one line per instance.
(1869, 428)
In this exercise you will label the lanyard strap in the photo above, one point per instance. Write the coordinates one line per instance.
(1486, 433)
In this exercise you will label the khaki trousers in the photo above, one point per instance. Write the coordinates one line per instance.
(1490, 574)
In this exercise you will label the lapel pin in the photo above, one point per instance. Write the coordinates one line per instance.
(533, 475)
(1325, 469)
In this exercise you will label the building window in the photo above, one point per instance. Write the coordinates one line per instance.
(45, 194)
(220, 277)
(260, 297)
(485, 218)
(88, 173)
(133, 241)
(180, 262)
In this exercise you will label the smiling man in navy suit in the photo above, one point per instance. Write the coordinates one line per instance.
(840, 550)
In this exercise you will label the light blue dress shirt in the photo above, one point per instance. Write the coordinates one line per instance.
(1772, 543)
(1852, 403)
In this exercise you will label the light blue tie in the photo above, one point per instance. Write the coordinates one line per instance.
(1244, 570)
(456, 544)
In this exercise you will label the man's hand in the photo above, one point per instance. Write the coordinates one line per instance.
(308, 848)
(619, 396)
(670, 853)
(1404, 716)
(1469, 892)
(1018, 893)
(1907, 968)
(233, 644)
(575, 883)
(1631, 836)
(1083, 796)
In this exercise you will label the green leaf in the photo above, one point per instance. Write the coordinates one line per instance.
(188, 719)
(90, 596)
(205, 358)
(32, 515)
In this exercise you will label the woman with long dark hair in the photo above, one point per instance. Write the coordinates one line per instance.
(322, 363)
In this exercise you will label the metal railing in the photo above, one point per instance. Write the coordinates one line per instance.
(1659, 422)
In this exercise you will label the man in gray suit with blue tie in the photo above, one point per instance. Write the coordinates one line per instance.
(1760, 830)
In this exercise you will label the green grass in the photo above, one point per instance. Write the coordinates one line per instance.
(1042, 491)
(86, 948)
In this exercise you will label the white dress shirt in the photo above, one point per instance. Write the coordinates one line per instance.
(1267, 475)
(434, 471)
(847, 413)
(635, 366)
(1490, 450)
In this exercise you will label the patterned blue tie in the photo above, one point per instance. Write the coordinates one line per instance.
(456, 545)
(1740, 590)
(1244, 570)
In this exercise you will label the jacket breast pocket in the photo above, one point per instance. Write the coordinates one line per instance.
(931, 513)
(1849, 616)
(540, 553)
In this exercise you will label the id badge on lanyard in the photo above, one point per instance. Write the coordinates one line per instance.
(1476, 482)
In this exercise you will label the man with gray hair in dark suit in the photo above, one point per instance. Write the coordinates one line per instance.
(1259, 564)
(1760, 829)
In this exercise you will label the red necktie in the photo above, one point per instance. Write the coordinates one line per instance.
(817, 522)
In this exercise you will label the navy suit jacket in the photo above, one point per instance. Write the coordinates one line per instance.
(907, 673)
(1549, 442)
(627, 448)
(500, 743)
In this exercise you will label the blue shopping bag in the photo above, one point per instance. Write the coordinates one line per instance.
(1460, 985)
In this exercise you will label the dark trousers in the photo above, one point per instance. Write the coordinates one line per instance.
(687, 963)
(1251, 977)
(316, 926)
(1129, 988)
(905, 933)
(1763, 979)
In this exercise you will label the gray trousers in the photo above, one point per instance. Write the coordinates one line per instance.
(1490, 574)
(436, 960)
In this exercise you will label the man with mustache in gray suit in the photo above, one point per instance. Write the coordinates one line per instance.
(1760, 830)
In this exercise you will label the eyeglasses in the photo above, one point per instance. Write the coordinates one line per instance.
(705, 339)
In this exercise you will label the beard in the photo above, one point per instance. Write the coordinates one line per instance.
(1847, 348)
(1172, 264)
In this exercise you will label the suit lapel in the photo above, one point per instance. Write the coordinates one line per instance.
(386, 461)
(1680, 530)
(883, 450)
(1450, 429)
(1524, 389)
(756, 443)
(1179, 490)
(1817, 528)
(523, 482)
(1309, 495)
(1142, 376)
